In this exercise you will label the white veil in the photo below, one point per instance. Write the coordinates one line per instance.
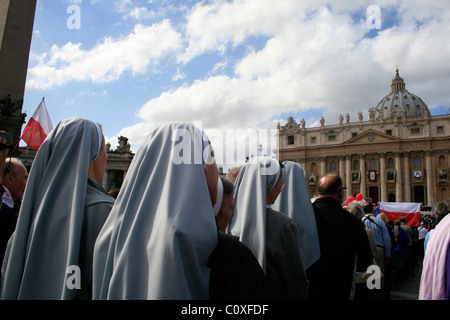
(46, 241)
(256, 178)
(161, 231)
(295, 201)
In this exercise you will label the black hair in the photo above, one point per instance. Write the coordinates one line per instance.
(368, 207)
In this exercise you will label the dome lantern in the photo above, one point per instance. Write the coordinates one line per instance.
(397, 83)
(399, 102)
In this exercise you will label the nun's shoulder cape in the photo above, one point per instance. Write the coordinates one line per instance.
(295, 201)
(273, 237)
(98, 205)
(161, 230)
(254, 180)
(45, 248)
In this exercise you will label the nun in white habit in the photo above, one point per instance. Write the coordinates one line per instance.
(295, 201)
(273, 237)
(161, 231)
(49, 256)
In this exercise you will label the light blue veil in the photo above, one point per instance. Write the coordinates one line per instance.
(161, 231)
(256, 178)
(46, 242)
(295, 201)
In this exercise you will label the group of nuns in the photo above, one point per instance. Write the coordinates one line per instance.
(74, 241)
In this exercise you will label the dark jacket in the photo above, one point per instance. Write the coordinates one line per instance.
(323, 283)
(235, 272)
(352, 241)
(8, 221)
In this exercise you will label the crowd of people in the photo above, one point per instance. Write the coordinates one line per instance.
(179, 230)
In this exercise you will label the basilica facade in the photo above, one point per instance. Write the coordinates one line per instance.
(399, 154)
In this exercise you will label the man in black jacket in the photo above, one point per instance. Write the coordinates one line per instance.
(353, 243)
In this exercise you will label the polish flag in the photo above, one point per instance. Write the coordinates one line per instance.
(38, 127)
(395, 210)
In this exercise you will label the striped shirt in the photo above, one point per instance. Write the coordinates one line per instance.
(380, 232)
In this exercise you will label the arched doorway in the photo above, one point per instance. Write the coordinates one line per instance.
(391, 197)
(373, 194)
(419, 194)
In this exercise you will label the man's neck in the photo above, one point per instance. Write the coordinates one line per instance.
(332, 196)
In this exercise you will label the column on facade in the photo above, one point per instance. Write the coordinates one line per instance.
(383, 185)
(302, 162)
(362, 178)
(398, 178)
(303, 138)
(407, 177)
(348, 176)
(342, 167)
(322, 166)
(106, 180)
(342, 171)
(429, 173)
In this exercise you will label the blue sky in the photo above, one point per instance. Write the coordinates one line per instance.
(243, 64)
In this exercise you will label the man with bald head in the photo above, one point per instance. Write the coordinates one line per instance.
(14, 179)
(353, 244)
(331, 186)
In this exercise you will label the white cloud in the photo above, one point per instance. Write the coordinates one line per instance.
(139, 10)
(136, 134)
(317, 57)
(135, 53)
(292, 72)
(141, 13)
(210, 27)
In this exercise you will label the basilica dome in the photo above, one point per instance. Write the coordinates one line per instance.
(399, 101)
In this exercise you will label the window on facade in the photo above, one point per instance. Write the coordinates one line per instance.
(313, 140)
(291, 140)
(333, 166)
(313, 167)
(390, 163)
(373, 164)
(332, 137)
(440, 129)
(417, 162)
(355, 165)
(415, 130)
(442, 161)
(389, 132)
(354, 134)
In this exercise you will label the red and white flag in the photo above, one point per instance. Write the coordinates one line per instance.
(38, 127)
(395, 210)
